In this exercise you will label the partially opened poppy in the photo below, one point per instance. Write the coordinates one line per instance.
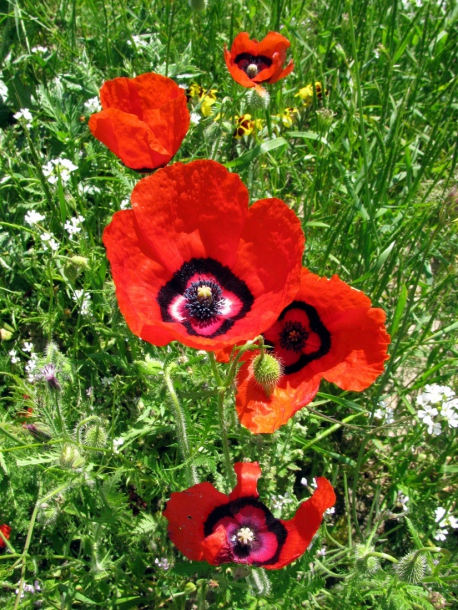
(143, 121)
(192, 263)
(329, 331)
(6, 530)
(251, 62)
(205, 524)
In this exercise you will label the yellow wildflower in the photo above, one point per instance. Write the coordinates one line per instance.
(245, 125)
(306, 93)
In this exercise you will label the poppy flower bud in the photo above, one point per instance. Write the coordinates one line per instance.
(267, 371)
(412, 567)
(70, 457)
(96, 436)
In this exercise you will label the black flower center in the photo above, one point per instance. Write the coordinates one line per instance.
(252, 64)
(203, 300)
(293, 336)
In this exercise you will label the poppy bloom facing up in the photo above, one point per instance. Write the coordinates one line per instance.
(205, 524)
(251, 62)
(6, 530)
(330, 331)
(143, 121)
(192, 263)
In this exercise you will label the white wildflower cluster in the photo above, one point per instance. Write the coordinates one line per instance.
(48, 241)
(444, 520)
(195, 118)
(313, 484)
(162, 563)
(72, 226)
(88, 189)
(117, 442)
(58, 167)
(14, 357)
(24, 115)
(278, 502)
(125, 204)
(402, 500)
(84, 301)
(93, 105)
(107, 381)
(384, 413)
(32, 217)
(438, 400)
(30, 368)
(39, 50)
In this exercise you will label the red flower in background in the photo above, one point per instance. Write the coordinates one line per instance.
(6, 530)
(251, 62)
(143, 121)
(192, 263)
(205, 524)
(330, 331)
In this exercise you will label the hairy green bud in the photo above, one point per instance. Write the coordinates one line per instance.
(412, 567)
(95, 436)
(267, 372)
(365, 563)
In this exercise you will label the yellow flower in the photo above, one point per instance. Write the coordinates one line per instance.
(288, 116)
(306, 93)
(207, 102)
(195, 90)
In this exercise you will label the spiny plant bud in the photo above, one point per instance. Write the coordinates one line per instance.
(95, 436)
(411, 568)
(267, 372)
(258, 98)
(149, 366)
(364, 562)
(70, 457)
(198, 5)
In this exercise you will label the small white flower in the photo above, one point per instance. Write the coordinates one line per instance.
(106, 381)
(32, 217)
(88, 189)
(93, 105)
(58, 167)
(441, 535)
(434, 393)
(321, 552)
(163, 563)
(402, 499)
(28, 346)
(72, 226)
(31, 364)
(48, 240)
(427, 414)
(452, 521)
(125, 204)
(117, 442)
(195, 118)
(39, 50)
(90, 391)
(278, 502)
(313, 484)
(434, 428)
(14, 356)
(24, 114)
(330, 511)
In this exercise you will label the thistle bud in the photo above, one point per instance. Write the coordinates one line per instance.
(267, 371)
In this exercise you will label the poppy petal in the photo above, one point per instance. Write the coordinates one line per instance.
(187, 512)
(188, 204)
(359, 341)
(237, 74)
(248, 474)
(305, 523)
(215, 547)
(273, 43)
(282, 73)
(128, 138)
(263, 414)
(270, 249)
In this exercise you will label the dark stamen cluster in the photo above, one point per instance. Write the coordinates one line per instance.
(293, 336)
(203, 300)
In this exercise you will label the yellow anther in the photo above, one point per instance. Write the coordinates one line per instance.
(245, 535)
(204, 293)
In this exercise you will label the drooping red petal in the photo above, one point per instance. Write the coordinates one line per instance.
(215, 548)
(359, 341)
(129, 138)
(237, 74)
(187, 512)
(282, 73)
(248, 474)
(264, 414)
(191, 211)
(305, 523)
(6, 530)
(270, 250)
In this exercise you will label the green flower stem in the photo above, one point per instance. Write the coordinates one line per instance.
(27, 545)
(223, 424)
(180, 420)
(381, 556)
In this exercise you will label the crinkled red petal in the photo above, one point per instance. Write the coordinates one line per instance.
(248, 474)
(187, 512)
(215, 548)
(359, 341)
(305, 523)
(264, 414)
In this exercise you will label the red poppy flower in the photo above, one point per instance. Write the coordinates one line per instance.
(205, 524)
(192, 263)
(5, 529)
(330, 331)
(143, 121)
(251, 62)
